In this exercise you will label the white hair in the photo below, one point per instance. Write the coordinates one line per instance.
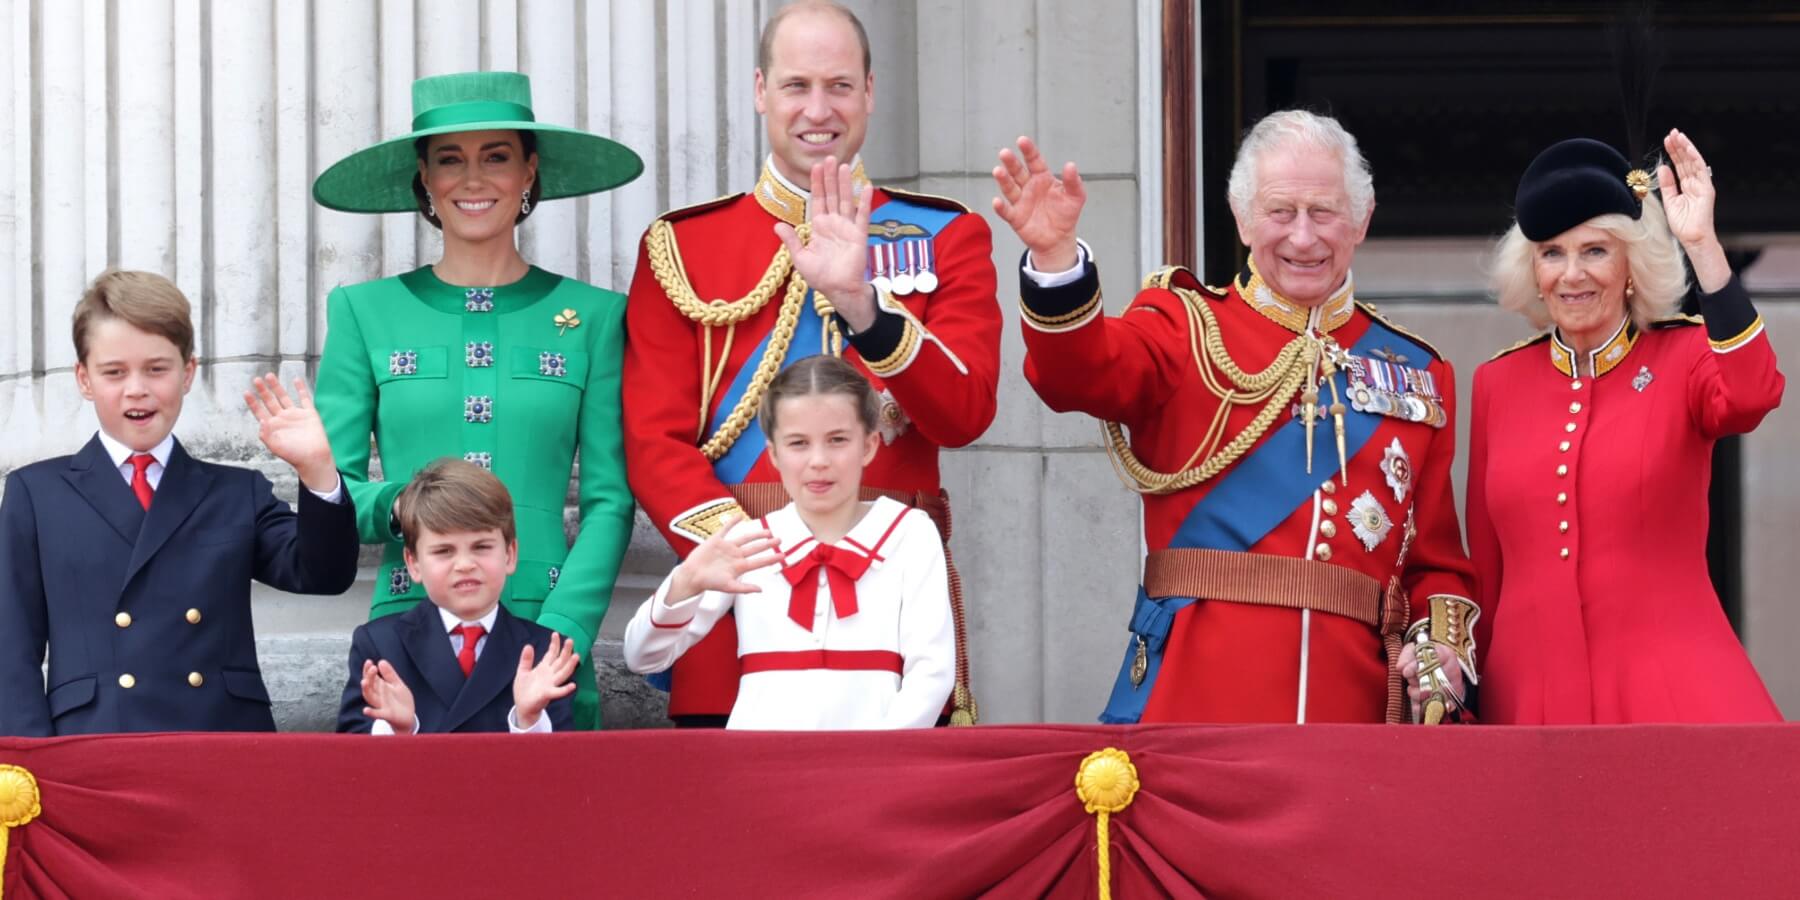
(1297, 127)
(1653, 255)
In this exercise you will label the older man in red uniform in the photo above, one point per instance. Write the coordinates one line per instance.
(811, 260)
(1293, 449)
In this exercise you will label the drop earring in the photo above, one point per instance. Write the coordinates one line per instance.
(525, 203)
(430, 207)
(1630, 289)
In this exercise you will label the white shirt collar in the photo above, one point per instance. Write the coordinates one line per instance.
(121, 453)
(451, 622)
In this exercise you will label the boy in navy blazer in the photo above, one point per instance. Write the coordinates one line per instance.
(458, 661)
(131, 561)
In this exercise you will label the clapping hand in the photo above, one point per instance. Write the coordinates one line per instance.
(387, 697)
(1041, 207)
(834, 260)
(291, 429)
(721, 562)
(534, 686)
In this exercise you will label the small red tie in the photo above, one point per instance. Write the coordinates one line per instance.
(140, 478)
(466, 658)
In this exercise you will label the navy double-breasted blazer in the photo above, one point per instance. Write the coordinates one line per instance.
(146, 614)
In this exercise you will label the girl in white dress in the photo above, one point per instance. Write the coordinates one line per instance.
(843, 606)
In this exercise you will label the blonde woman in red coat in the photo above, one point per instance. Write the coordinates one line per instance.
(1591, 449)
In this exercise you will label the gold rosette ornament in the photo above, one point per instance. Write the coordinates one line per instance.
(1106, 783)
(18, 805)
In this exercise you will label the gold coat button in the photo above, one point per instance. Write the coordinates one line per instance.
(1562, 471)
(193, 617)
(123, 620)
(1570, 428)
(127, 682)
(1562, 527)
(1575, 386)
(195, 679)
(1575, 407)
(1322, 553)
(1563, 447)
(1328, 528)
(1330, 507)
(1329, 487)
(1562, 499)
(1565, 553)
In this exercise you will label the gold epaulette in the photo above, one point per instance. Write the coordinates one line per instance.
(1170, 277)
(1544, 336)
(1377, 316)
(932, 200)
(684, 212)
(1676, 321)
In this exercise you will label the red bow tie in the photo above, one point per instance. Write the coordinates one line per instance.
(842, 569)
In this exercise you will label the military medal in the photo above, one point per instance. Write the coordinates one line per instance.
(1642, 380)
(903, 271)
(878, 264)
(1398, 469)
(892, 420)
(1369, 521)
(927, 280)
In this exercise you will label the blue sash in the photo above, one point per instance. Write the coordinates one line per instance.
(1250, 500)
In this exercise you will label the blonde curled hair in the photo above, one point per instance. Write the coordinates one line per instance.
(1651, 252)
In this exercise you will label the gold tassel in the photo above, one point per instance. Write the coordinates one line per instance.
(19, 804)
(1106, 784)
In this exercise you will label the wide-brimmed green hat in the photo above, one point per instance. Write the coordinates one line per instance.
(570, 162)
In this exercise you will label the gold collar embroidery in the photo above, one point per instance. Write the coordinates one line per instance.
(786, 201)
(1333, 313)
(1602, 359)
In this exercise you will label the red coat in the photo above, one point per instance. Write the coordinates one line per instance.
(1233, 662)
(941, 377)
(1588, 519)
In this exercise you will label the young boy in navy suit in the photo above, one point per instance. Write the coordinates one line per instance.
(458, 661)
(131, 561)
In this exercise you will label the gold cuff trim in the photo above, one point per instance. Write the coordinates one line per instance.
(1451, 623)
(1742, 338)
(705, 520)
(1068, 321)
(903, 354)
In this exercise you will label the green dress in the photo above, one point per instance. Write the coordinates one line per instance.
(514, 378)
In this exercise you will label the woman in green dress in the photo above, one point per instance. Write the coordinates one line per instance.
(483, 355)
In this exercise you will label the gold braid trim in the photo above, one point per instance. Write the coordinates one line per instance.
(1270, 387)
(766, 369)
(671, 273)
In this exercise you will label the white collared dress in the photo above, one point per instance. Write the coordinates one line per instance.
(888, 663)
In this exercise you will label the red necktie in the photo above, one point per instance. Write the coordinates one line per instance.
(466, 658)
(140, 478)
(842, 568)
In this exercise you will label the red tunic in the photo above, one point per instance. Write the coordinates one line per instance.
(1587, 525)
(1226, 661)
(940, 370)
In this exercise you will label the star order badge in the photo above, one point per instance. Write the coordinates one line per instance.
(1398, 468)
(1368, 521)
(893, 419)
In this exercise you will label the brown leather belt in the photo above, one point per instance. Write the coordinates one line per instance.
(1264, 580)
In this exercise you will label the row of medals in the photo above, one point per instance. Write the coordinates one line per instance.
(903, 267)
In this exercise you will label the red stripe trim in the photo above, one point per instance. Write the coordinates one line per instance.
(875, 550)
(838, 660)
(682, 624)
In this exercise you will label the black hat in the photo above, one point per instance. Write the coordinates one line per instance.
(1574, 181)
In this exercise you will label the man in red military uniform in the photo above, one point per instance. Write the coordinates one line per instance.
(1293, 449)
(811, 260)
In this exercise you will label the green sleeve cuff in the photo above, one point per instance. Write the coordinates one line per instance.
(563, 625)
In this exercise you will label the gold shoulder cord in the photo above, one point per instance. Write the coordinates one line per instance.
(671, 274)
(1269, 387)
